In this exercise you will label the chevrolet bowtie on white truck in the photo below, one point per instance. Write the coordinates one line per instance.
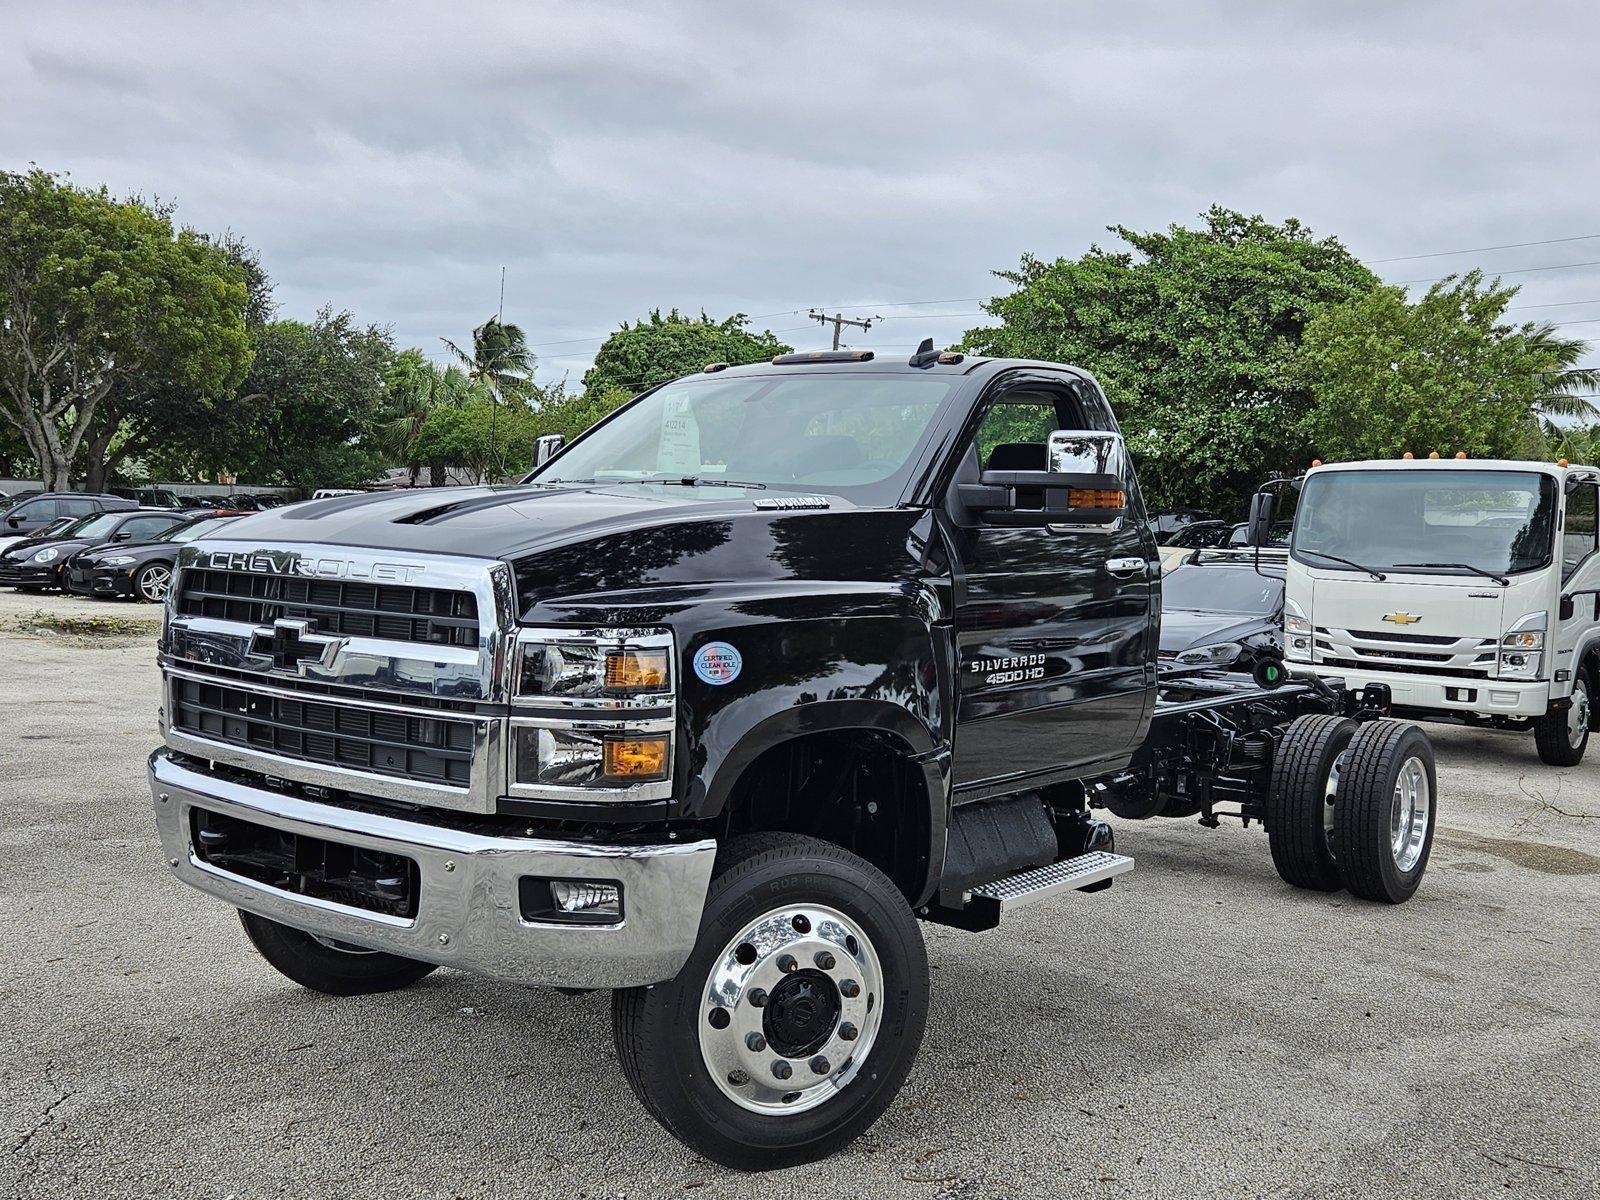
(1467, 588)
(731, 691)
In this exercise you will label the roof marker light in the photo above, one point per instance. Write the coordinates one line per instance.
(1408, 455)
(1433, 454)
(1461, 453)
(1561, 462)
(1316, 462)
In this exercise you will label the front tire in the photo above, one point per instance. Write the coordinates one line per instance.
(326, 967)
(151, 583)
(1562, 735)
(1383, 823)
(1305, 791)
(796, 1018)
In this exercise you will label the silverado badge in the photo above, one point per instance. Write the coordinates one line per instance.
(1402, 618)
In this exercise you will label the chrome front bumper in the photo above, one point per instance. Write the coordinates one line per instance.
(468, 911)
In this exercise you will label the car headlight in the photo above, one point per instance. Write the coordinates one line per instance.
(1218, 654)
(116, 560)
(48, 554)
(1522, 648)
(594, 716)
(1295, 620)
(606, 668)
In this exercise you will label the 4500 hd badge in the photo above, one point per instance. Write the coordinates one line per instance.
(1016, 669)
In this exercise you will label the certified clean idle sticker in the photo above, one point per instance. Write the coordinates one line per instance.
(718, 663)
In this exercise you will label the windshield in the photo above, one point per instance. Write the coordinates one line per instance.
(1221, 589)
(96, 525)
(188, 533)
(1494, 521)
(851, 434)
(59, 525)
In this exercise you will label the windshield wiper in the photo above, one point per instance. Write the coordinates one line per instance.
(1502, 580)
(1349, 562)
(675, 481)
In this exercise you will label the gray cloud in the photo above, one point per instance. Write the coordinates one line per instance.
(390, 157)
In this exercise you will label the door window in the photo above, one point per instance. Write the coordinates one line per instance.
(1578, 531)
(77, 508)
(141, 528)
(35, 510)
(1020, 431)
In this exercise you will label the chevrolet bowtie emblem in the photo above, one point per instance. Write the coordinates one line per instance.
(1402, 618)
(291, 641)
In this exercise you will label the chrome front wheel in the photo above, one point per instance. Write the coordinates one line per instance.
(793, 1005)
(152, 584)
(1408, 823)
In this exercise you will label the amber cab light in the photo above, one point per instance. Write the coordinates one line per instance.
(636, 671)
(636, 758)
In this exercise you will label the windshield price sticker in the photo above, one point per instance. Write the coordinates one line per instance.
(718, 663)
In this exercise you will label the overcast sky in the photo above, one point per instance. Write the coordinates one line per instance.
(389, 157)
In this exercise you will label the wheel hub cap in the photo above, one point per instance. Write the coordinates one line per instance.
(1408, 826)
(791, 1009)
(1578, 714)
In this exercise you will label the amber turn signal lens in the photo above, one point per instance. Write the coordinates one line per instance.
(636, 671)
(1096, 498)
(636, 758)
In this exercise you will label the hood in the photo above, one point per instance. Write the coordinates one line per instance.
(25, 550)
(1456, 606)
(1185, 628)
(105, 549)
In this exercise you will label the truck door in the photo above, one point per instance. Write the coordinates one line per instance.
(1055, 629)
(1580, 571)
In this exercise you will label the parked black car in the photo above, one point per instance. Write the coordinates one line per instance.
(1218, 611)
(1165, 524)
(37, 563)
(149, 497)
(140, 570)
(34, 514)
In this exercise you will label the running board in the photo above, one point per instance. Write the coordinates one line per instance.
(988, 902)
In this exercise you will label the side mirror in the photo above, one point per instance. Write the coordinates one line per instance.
(1084, 483)
(120, 537)
(1567, 608)
(1259, 529)
(547, 447)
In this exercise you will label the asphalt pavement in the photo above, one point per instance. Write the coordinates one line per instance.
(1198, 1030)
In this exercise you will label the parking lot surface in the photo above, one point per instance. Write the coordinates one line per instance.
(1198, 1030)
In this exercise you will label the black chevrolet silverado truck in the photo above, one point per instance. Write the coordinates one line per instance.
(714, 707)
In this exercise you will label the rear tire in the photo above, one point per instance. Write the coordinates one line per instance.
(1383, 823)
(1303, 789)
(795, 1020)
(327, 968)
(1562, 735)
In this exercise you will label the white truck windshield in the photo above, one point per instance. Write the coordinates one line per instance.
(852, 434)
(1457, 522)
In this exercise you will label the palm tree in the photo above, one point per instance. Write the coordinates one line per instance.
(1566, 389)
(412, 389)
(499, 360)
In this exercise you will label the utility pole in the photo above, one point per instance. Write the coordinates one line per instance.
(838, 321)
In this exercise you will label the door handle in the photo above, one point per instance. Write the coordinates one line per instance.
(1124, 566)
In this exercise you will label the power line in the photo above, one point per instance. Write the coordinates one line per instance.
(1518, 271)
(1582, 237)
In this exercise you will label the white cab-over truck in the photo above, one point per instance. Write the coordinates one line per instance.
(1470, 588)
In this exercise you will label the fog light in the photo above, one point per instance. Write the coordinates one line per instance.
(570, 901)
(636, 758)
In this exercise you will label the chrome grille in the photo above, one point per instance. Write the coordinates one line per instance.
(1430, 654)
(350, 608)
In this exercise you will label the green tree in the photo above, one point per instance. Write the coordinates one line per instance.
(659, 348)
(1444, 373)
(499, 360)
(1193, 333)
(94, 290)
(412, 388)
(311, 406)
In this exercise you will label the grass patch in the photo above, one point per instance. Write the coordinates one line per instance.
(83, 625)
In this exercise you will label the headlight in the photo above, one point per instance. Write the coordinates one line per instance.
(48, 554)
(592, 755)
(1522, 648)
(116, 560)
(606, 668)
(1295, 620)
(1218, 654)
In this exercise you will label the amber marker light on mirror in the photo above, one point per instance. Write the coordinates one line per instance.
(636, 759)
(1096, 498)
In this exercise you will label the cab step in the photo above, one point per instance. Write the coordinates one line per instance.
(987, 902)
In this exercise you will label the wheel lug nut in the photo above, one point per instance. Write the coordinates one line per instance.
(781, 1069)
(824, 960)
(756, 1042)
(758, 997)
(786, 963)
(849, 989)
(848, 1032)
(820, 1065)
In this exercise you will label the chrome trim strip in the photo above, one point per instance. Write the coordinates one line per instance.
(468, 911)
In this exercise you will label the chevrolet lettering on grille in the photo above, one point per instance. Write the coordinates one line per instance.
(316, 568)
